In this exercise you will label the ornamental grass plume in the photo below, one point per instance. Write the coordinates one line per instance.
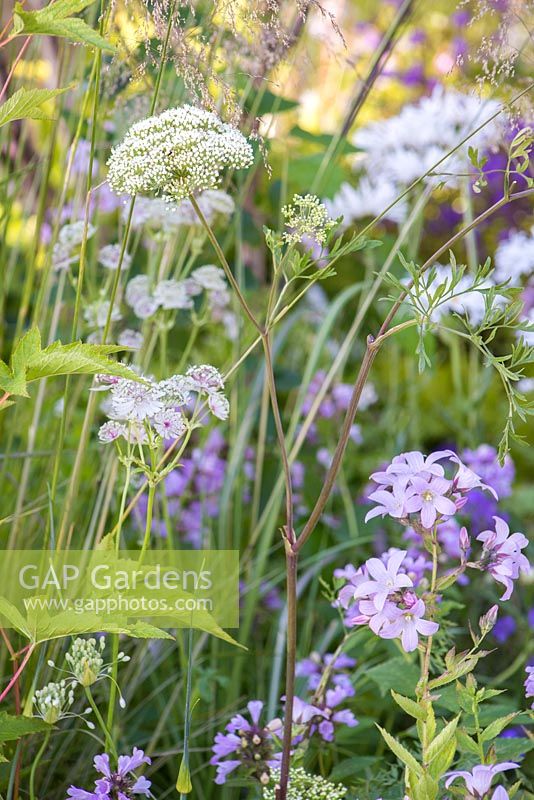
(177, 153)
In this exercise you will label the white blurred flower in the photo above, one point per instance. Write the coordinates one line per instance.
(112, 430)
(514, 257)
(130, 338)
(109, 257)
(368, 199)
(210, 277)
(205, 378)
(171, 294)
(96, 313)
(70, 237)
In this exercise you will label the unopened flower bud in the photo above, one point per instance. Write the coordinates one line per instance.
(264, 779)
(488, 620)
(465, 541)
(256, 739)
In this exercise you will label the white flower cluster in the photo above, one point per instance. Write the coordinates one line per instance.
(53, 701)
(404, 147)
(138, 412)
(369, 199)
(514, 257)
(173, 295)
(164, 215)
(109, 257)
(177, 153)
(305, 786)
(306, 217)
(69, 238)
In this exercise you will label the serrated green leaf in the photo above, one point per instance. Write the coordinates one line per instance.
(395, 673)
(13, 728)
(441, 741)
(401, 752)
(426, 788)
(30, 363)
(443, 760)
(466, 743)
(26, 104)
(410, 706)
(13, 616)
(497, 726)
(56, 19)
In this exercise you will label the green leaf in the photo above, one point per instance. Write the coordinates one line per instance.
(426, 788)
(410, 706)
(26, 104)
(401, 752)
(183, 784)
(352, 766)
(466, 743)
(30, 363)
(512, 749)
(443, 760)
(441, 741)
(13, 616)
(56, 20)
(498, 725)
(12, 728)
(395, 673)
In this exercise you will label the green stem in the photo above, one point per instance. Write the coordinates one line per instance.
(36, 764)
(110, 746)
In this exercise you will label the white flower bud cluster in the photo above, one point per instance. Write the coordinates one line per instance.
(136, 409)
(160, 214)
(85, 659)
(53, 701)
(307, 217)
(304, 786)
(70, 237)
(177, 153)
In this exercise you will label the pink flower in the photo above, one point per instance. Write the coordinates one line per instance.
(478, 782)
(407, 624)
(503, 554)
(429, 498)
(385, 579)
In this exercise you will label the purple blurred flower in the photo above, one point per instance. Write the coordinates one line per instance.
(478, 782)
(529, 683)
(504, 628)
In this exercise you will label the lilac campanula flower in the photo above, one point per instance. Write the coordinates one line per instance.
(478, 782)
(502, 556)
(250, 743)
(407, 623)
(429, 497)
(385, 579)
(120, 783)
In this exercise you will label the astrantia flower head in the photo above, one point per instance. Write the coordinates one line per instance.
(249, 744)
(110, 255)
(119, 784)
(205, 378)
(210, 277)
(70, 237)
(302, 785)
(306, 216)
(177, 153)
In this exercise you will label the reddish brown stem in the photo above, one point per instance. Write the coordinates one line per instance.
(18, 673)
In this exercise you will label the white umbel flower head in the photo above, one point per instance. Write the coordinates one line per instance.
(307, 217)
(305, 786)
(177, 153)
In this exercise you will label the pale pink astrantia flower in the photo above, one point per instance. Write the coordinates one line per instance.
(385, 579)
(219, 405)
(407, 624)
(111, 431)
(502, 551)
(170, 424)
(478, 782)
(205, 378)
